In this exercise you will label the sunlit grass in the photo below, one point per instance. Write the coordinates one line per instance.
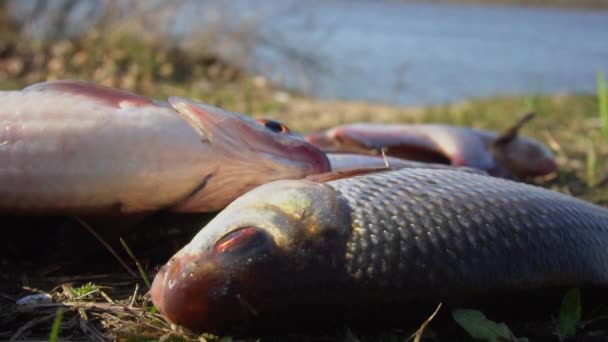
(591, 162)
(602, 102)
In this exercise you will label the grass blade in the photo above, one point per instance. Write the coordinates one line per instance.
(139, 267)
(569, 313)
(56, 326)
(591, 161)
(602, 102)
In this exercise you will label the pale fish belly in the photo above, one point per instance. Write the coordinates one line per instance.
(65, 153)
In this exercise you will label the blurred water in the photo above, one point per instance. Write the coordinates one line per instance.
(391, 51)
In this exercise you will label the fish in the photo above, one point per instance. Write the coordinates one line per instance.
(72, 147)
(378, 238)
(347, 161)
(507, 155)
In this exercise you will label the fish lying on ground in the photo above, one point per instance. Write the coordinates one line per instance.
(506, 155)
(343, 161)
(76, 147)
(384, 237)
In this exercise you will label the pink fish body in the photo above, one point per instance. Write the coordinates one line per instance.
(71, 146)
(457, 146)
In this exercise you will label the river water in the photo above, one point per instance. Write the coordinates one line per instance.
(408, 53)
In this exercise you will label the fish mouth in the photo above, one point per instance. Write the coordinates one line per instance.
(204, 295)
(179, 293)
(540, 168)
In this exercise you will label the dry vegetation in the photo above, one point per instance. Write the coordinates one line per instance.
(100, 300)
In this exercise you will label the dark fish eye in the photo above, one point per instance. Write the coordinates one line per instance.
(242, 239)
(274, 125)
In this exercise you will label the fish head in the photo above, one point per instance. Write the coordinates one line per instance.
(246, 152)
(524, 157)
(265, 245)
(233, 134)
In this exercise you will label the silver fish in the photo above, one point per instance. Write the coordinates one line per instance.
(379, 238)
(505, 155)
(76, 147)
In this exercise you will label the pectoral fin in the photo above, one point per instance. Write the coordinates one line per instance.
(194, 114)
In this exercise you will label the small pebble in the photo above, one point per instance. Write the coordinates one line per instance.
(35, 300)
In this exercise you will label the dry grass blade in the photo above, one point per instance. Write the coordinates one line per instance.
(120, 320)
(418, 334)
(134, 296)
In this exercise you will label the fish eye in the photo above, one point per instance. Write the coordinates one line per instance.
(242, 239)
(273, 125)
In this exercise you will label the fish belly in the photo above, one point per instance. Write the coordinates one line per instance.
(67, 153)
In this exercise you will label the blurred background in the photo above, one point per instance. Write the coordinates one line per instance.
(398, 52)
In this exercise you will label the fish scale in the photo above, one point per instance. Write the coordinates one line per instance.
(439, 231)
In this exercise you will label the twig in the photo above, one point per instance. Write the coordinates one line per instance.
(134, 295)
(30, 325)
(106, 245)
(384, 157)
(106, 297)
(90, 331)
(418, 334)
(5, 296)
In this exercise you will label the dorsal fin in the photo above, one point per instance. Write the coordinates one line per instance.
(511, 133)
(346, 173)
(107, 95)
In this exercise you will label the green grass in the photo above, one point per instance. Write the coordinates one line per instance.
(84, 290)
(54, 337)
(570, 314)
(142, 272)
(602, 102)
